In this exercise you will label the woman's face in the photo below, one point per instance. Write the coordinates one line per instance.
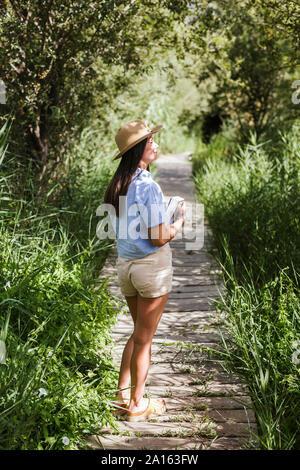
(150, 153)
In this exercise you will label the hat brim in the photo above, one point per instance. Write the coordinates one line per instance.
(119, 154)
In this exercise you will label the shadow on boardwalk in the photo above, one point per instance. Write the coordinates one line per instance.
(207, 407)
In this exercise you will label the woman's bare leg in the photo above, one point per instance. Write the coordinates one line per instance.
(149, 312)
(124, 375)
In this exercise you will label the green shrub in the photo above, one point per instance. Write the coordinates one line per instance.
(57, 377)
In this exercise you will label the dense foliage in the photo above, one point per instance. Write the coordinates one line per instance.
(252, 204)
(222, 78)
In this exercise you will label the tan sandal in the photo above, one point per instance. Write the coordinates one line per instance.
(155, 407)
(120, 408)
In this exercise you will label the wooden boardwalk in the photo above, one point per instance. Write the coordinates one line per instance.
(207, 407)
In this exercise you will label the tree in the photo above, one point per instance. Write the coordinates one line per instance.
(281, 21)
(250, 61)
(54, 54)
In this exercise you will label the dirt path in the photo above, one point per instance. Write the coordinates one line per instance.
(207, 407)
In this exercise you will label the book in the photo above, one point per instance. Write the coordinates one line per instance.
(173, 208)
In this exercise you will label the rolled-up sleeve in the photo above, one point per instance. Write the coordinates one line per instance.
(154, 212)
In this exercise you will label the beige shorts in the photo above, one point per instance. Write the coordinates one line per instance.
(150, 276)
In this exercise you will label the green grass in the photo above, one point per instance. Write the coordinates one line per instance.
(57, 377)
(220, 150)
(252, 203)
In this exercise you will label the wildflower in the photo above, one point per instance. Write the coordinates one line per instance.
(50, 353)
(65, 441)
(2, 352)
(7, 285)
(42, 392)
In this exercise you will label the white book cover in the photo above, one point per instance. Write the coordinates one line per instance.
(172, 208)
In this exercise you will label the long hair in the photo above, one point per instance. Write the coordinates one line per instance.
(120, 182)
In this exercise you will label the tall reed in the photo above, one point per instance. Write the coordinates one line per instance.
(252, 205)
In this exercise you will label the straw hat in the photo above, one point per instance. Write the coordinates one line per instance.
(132, 133)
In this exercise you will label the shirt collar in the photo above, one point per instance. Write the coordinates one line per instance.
(138, 171)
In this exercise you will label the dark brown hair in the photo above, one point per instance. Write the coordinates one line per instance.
(121, 180)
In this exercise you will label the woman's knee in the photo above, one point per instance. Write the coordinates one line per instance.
(142, 339)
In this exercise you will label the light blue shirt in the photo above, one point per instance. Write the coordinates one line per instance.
(145, 208)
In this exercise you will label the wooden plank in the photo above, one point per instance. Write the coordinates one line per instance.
(178, 305)
(181, 399)
(145, 443)
(176, 330)
(161, 344)
(233, 443)
(198, 271)
(197, 338)
(182, 282)
(166, 443)
(191, 289)
(174, 325)
(200, 294)
(215, 390)
(184, 263)
(173, 379)
(178, 429)
(174, 412)
(201, 368)
(196, 294)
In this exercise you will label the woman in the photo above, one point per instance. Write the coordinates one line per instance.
(144, 261)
